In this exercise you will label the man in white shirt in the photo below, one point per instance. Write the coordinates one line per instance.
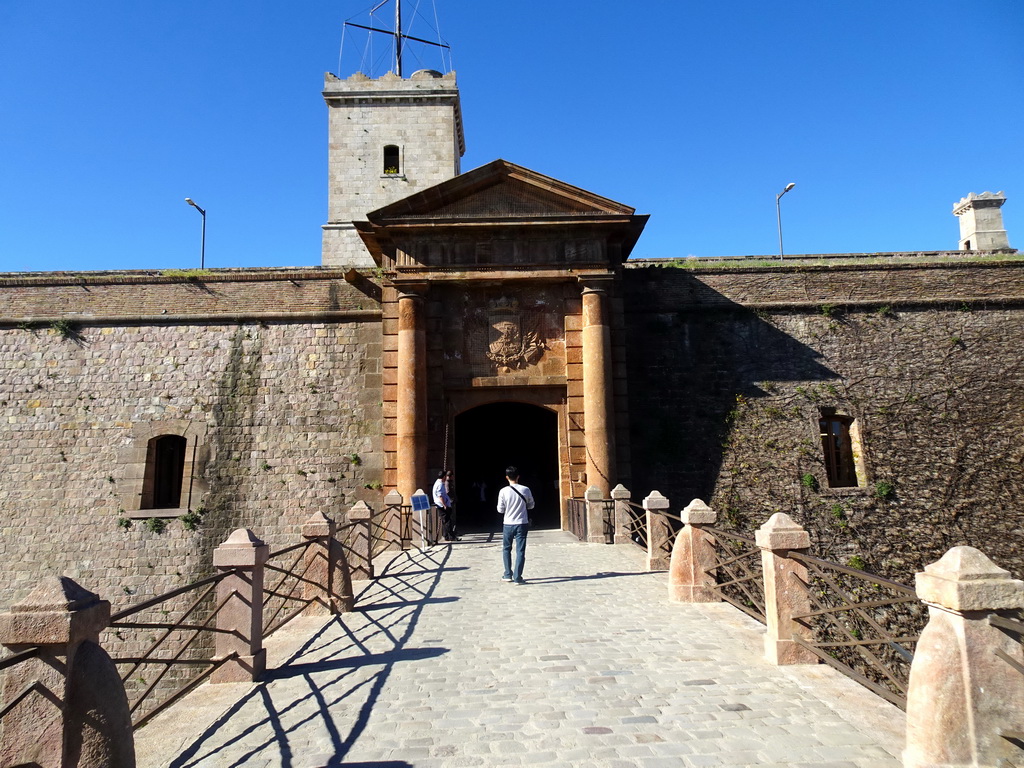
(514, 503)
(443, 502)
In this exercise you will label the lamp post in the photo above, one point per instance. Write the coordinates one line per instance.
(778, 213)
(202, 252)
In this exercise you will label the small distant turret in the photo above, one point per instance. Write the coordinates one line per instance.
(981, 222)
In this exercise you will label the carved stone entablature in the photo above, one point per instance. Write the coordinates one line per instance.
(511, 346)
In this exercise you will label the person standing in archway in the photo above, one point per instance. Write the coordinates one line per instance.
(514, 503)
(443, 503)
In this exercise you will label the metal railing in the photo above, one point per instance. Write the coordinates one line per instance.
(636, 524)
(577, 509)
(863, 625)
(739, 579)
(286, 599)
(178, 648)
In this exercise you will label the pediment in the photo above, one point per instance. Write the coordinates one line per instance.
(500, 191)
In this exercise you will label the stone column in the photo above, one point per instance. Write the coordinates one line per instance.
(71, 673)
(325, 571)
(242, 613)
(962, 695)
(598, 421)
(361, 546)
(785, 593)
(411, 421)
(658, 531)
(691, 575)
(623, 516)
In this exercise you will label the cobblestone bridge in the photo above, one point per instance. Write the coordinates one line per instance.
(588, 664)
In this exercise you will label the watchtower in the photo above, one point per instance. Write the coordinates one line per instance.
(981, 222)
(389, 138)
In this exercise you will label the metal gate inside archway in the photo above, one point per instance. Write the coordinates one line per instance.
(488, 439)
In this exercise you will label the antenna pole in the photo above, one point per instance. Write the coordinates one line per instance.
(398, 37)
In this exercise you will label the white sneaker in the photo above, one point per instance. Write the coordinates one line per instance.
(506, 578)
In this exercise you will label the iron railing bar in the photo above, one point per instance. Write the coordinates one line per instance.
(185, 615)
(750, 576)
(293, 547)
(718, 533)
(865, 604)
(741, 580)
(1015, 627)
(183, 690)
(864, 652)
(270, 620)
(737, 604)
(734, 559)
(868, 641)
(20, 656)
(856, 573)
(161, 625)
(142, 660)
(298, 578)
(216, 578)
(842, 592)
(1010, 660)
(286, 574)
(753, 597)
(885, 693)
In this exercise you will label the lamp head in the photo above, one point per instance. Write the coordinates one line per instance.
(190, 201)
(789, 186)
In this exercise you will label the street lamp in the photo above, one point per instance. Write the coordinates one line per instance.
(778, 212)
(202, 253)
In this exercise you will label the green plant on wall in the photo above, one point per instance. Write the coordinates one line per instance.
(884, 489)
(809, 481)
(156, 525)
(354, 459)
(124, 523)
(66, 329)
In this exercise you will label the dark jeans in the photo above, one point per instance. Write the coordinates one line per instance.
(447, 523)
(517, 532)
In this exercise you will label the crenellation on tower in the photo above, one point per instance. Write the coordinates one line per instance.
(981, 222)
(389, 137)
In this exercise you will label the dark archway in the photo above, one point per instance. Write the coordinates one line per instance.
(489, 438)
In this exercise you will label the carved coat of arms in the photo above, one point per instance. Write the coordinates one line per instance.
(510, 345)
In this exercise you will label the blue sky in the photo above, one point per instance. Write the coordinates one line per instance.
(698, 113)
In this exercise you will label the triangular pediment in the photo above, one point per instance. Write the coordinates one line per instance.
(500, 191)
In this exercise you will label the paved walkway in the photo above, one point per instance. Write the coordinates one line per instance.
(588, 664)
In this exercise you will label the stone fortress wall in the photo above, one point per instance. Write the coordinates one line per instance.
(276, 376)
(730, 369)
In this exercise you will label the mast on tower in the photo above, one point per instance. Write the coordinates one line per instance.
(397, 34)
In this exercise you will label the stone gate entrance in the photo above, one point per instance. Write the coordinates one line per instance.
(489, 438)
(500, 285)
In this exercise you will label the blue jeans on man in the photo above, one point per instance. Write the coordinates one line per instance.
(518, 534)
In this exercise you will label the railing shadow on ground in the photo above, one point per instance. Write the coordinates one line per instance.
(397, 625)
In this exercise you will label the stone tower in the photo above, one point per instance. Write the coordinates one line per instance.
(981, 222)
(388, 138)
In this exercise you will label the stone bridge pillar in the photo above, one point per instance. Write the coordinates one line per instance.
(598, 423)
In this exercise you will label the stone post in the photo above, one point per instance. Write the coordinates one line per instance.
(785, 590)
(691, 576)
(659, 532)
(76, 711)
(597, 532)
(361, 546)
(395, 521)
(623, 518)
(411, 417)
(598, 423)
(325, 570)
(961, 694)
(242, 613)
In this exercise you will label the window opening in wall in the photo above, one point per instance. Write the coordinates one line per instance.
(165, 466)
(837, 446)
(392, 166)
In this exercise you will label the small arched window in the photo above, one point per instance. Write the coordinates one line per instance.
(392, 161)
(165, 466)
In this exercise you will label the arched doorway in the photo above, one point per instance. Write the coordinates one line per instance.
(489, 438)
